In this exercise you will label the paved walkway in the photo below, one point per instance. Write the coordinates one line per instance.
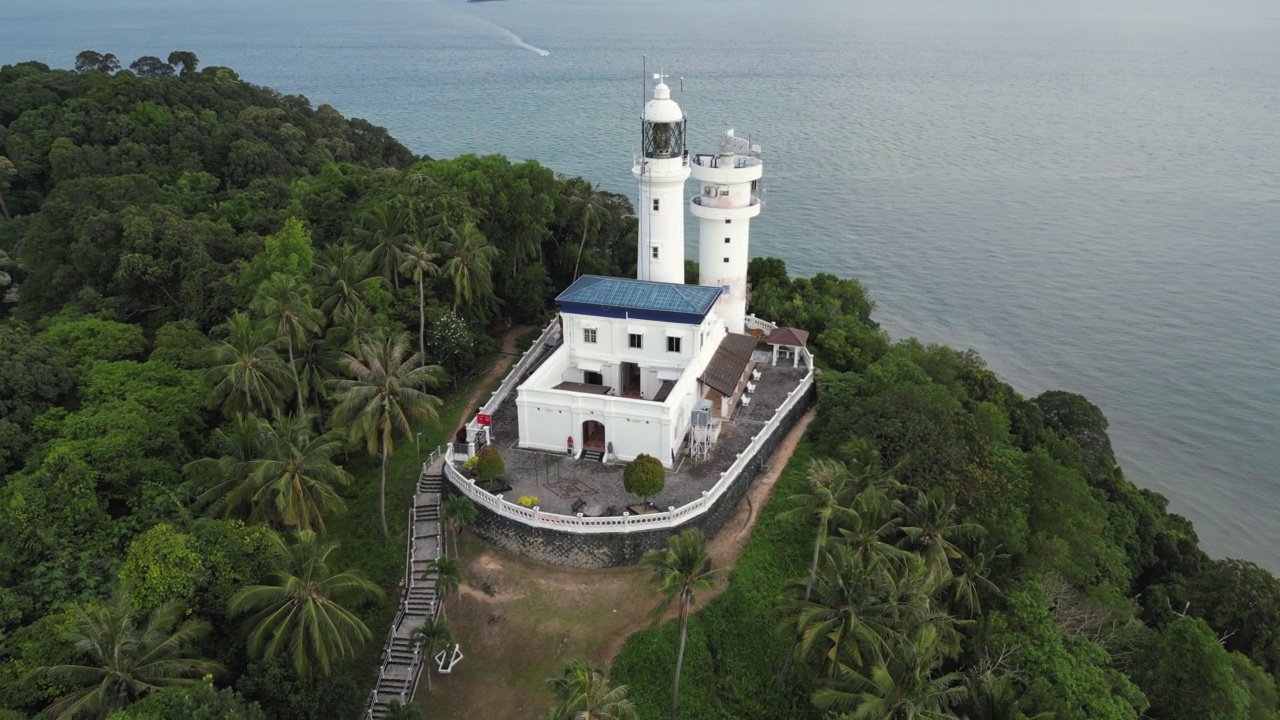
(401, 663)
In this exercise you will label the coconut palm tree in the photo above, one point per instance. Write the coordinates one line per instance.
(384, 396)
(343, 272)
(303, 610)
(995, 697)
(904, 685)
(227, 482)
(458, 512)
(126, 657)
(383, 234)
(432, 635)
(352, 324)
(929, 528)
(418, 260)
(447, 574)
(295, 480)
(470, 267)
(969, 583)
(582, 693)
(285, 302)
(829, 496)
(680, 572)
(246, 375)
(586, 205)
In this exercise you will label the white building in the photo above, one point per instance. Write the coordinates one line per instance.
(639, 355)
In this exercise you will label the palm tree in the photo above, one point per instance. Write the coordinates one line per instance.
(419, 261)
(383, 235)
(586, 205)
(300, 612)
(905, 685)
(458, 512)
(995, 697)
(853, 613)
(447, 574)
(228, 481)
(384, 396)
(929, 529)
(680, 572)
(295, 479)
(968, 583)
(343, 270)
(400, 711)
(285, 302)
(830, 493)
(582, 693)
(432, 635)
(246, 375)
(352, 324)
(470, 266)
(126, 659)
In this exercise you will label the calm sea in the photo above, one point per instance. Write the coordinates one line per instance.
(1087, 193)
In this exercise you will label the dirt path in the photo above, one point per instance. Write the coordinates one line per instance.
(727, 545)
(507, 356)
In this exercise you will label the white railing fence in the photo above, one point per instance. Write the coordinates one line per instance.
(530, 357)
(670, 518)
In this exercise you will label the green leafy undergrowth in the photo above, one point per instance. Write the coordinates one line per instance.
(734, 649)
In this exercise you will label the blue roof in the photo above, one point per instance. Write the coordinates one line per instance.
(596, 295)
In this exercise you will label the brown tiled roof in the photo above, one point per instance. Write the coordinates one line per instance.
(794, 337)
(729, 363)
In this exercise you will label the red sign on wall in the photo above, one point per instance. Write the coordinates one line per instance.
(483, 419)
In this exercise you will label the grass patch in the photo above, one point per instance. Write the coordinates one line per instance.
(734, 649)
(519, 620)
(528, 337)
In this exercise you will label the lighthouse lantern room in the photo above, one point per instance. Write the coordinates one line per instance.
(661, 169)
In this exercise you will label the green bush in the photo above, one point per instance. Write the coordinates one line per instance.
(644, 476)
(489, 464)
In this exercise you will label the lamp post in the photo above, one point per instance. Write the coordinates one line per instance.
(417, 444)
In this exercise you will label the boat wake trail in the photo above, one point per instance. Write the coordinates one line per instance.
(515, 39)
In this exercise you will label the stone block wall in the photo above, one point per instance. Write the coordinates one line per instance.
(599, 550)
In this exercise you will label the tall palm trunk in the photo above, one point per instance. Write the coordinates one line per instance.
(382, 495)
(4, 208)
(422, 319)
(581, 245)
(684, 630)
(297, 382)
(808, 591)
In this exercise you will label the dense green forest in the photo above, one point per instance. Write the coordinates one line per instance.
(227, 316)
(942, 547)
(228, 319)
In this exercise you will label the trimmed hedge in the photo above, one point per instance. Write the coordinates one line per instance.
(644, 476)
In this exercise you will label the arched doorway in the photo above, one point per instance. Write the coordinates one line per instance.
(593, 435)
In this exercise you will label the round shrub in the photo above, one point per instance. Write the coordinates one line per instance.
(644, 476)
(489, 464)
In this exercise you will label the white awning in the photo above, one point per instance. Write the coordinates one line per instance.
(672, 332)
(669, 374)
(635, 329)
(590, 365)
(589, 325)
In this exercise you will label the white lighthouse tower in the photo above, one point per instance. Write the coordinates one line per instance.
(726, 201)
(661, 168)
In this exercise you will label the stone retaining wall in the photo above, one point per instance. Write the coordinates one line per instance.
(598, 550)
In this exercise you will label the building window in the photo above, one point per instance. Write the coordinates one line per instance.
(589, 335)
(726, 259)
(726, 241)
(673, 344)
(727, 221)
(636, 340)
(655, 204)
(653, 252)
(724, 289)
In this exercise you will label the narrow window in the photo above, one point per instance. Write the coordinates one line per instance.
(653, 251)
(636, 340)
(726, 259)
(673, 344)
(726, 241)
(655, 204)
(727, 221)
(589, 335)
(724, 289)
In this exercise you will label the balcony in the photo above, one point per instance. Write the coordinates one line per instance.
(723, 202)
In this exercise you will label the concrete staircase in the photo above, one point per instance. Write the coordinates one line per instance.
(398, 675)
(596, 455)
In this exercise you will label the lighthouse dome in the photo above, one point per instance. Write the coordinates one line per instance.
(662, 109)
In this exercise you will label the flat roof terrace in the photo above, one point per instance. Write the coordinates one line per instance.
(559, 481)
